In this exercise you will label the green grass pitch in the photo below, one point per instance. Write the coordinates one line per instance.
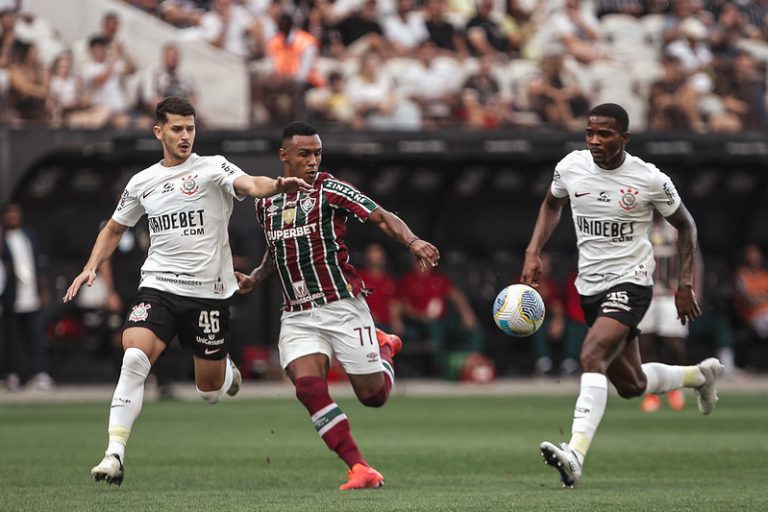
(436, 453)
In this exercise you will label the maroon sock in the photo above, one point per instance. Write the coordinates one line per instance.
(330, 422)
(380, 397)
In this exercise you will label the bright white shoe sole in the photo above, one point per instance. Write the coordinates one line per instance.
(562, 461)
(110, 469)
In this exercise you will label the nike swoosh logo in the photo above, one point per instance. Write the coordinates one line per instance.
(611, 310)
(145, 194)
(210, 351)
(117, 405)
(579, 194)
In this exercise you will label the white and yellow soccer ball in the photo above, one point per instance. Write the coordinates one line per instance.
(518, 310)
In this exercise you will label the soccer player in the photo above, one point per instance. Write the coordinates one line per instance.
(187, 278)
(660, 321)
(613, 195)
(324, 311)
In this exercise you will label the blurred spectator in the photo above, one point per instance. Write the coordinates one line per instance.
(558, 100)
(680, 10)
(484, 33)
(67, 102)
(752, 290)
(382, 299)
(673, 102)
(442, 33)
(29, 84)
(230, 27)
(573, 30)
(553, 328)
(360, 31)
(519, 26)
(730, 28)
(292, 53)
(23, 322)
(183, 13)
(743, 90)
(481, 105)
(429, 83)
(165, 79)
(34, 29)
(7, 40)
(427, 296)
(692, 50)
(375, 99)
(331, 104)
(103, 78)
(405, 29)
(629, 7)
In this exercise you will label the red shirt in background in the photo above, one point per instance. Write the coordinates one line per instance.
(383, 293)
(425, 292)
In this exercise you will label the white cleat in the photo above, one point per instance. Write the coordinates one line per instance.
(110, 469)
(237, 379)
(712, 369)
(563, 460)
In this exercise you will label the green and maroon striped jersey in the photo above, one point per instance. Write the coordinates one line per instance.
(305, 236)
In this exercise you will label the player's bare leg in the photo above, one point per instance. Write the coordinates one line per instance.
(142, 348)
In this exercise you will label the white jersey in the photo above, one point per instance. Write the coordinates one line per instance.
(612, 213)
(188, 208)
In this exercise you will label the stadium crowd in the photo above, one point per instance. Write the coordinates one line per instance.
(688, 65)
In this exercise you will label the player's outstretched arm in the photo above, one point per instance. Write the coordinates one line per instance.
(105, 245)
(247, 282)
(398, 230)
(262, 186)
(546, 222)
(688, 308)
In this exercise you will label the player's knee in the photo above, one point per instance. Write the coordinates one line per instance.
(630, 389)
(377, 399)
(212, 397)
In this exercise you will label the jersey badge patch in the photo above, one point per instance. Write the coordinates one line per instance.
(189, 186)
(289, 215)
(140, 312)
(307, 204)
(628, 199)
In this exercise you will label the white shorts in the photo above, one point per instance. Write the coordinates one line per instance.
(343, 327)
(661, 318)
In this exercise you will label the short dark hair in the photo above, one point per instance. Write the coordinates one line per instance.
(173, 105)
(613, 111)
(97, 41)
(298, 128)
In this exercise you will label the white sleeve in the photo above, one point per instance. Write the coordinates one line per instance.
(664, 195)
(129, 210)
(559, 187)
(224, 175)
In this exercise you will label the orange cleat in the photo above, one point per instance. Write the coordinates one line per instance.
(676, 399)
(363, 477)
(651, 403)
(393, 340)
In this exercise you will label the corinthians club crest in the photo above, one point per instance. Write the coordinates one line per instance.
(628, 199)
(189, 186)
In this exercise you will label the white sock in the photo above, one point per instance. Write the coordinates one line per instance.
(127, 399)
(213, 397)
(664, 377)
(588, 412)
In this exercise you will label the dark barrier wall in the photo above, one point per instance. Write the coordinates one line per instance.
(474, 195)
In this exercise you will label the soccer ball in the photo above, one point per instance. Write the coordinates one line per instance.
(518, 310)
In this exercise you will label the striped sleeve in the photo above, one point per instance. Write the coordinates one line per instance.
(343, 195)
